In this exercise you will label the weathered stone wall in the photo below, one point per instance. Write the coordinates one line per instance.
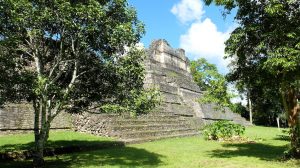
(15, 117)
(179, 114)
(212, 113)
(142, 128)
(168, 70)
(162, 52)
(93, 123)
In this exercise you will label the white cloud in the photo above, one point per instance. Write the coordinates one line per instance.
(204, 40)
(188, 10)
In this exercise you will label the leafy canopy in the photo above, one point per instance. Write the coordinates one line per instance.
(266, 49)
(210, 81)
(43, 42)
(67, 55)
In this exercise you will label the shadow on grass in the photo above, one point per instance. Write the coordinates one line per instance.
(53, 148)
(127, 156)
(17, 147)
(89, 154)
(53, 144)
(258, 150)
(282, 137)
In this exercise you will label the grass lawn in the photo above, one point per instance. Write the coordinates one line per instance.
(178, 152)
(56, 139)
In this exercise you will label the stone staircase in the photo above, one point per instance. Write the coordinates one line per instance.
(143, 128)
(152, 127)
(179, 114)
(211, 114)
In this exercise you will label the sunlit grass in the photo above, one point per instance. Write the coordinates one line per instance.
(183, 152)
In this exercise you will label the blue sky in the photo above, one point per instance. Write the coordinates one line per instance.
(189, 24)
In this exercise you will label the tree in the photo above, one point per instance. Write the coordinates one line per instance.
(210, 81)
(64, 55)
(266, 102)
(267, 39)
(265, 98)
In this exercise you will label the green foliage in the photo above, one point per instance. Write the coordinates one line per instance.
(240, 109)
(143, 102)
(113, 81)
(293, 149)
(221, 130)
(56, 34)
(210, 81)
(123, 90)
(63, 55)
(265, 47)
(113, 108)
(205, 74)
(139, 102)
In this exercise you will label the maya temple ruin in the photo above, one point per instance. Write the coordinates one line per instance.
(180, 114)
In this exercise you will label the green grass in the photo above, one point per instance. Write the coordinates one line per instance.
(56, 139)
(186, 152)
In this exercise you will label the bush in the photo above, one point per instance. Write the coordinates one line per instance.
(139, 102)
(222, 130)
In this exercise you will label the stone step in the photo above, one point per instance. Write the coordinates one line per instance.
(148, 121)
(157, 113)
(154, 114)
(156, 117)
(158, 133)
(149, 127)
(154, 138)
(241, 121)
(148, 115)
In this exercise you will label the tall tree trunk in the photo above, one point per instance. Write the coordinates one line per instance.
(38, 159)
(250, 107)
(250, 111)
(41, 132)
(292, 109)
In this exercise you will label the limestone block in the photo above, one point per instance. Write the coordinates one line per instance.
(168, 89)
(21, 116)
(171, 98)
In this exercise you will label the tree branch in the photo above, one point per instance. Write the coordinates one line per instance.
(54, 68)
(36, 118)
(66, 94)
(59, 58)
(74, 77)
(37, 60)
